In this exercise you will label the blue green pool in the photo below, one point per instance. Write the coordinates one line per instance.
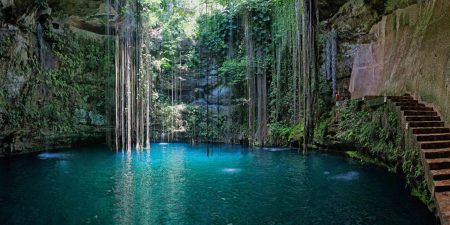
(215, 184)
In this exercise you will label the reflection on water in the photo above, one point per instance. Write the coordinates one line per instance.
(124, 190)
(51, 155)
(231, 170)
(276, 149)
(202, 184)
(352, 175)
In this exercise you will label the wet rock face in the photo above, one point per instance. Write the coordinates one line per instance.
(11, 11)
(200, 102)
(407, 51)
(90, 117)
(208, 82)
(91, 26)
(2, 111)
(216, 110)
(328, 8)
(14, 84)
(220, 95)
(205, 91)
(30, 47)
(79, 7)
(21, 47)
(213, 109)
(26, 12)
(214, 92)
(352, 22)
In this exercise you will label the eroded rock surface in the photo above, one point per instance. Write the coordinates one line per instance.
(409, 52)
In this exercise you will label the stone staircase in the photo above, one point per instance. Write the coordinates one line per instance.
(433, 139)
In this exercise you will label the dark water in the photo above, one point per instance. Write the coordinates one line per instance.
(180, 184)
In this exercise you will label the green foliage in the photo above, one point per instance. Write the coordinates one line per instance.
(199, 130)
(377, 130)
(79, 81)
(165, 64)
(296, 132)
(286, 80)
(41, 4)
(321, 130)
(279, 134)
(212, 34)
(50, 97)
(5, 43)
(232, 71)
(194, 121)
(392, 5)
(364, 158)
(261, 21)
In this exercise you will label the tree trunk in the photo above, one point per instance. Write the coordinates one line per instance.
(261, 88)
(310, 68)
(250, 78)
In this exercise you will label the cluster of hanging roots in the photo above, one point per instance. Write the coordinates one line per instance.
(132, 83)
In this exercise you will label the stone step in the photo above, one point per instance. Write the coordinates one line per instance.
(430, 130)
(441, 185)
(401, 100)
(434, 140)
(442, 202)
(409, 104)
(436, 153)
(441, 174)
(396, 98)
(404, 101)
(369, 97)
(419, 113)
(426, 124)
(433, 137)
(435, 144)
(422, 118)
(416, 108)
(438, 164)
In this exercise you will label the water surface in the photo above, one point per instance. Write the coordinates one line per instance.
(183, 184)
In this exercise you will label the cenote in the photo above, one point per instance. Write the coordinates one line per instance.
(227, 112)
(201, 184)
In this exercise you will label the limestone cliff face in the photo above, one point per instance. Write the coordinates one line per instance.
(352, 22)
(52, 73)
(407, 51)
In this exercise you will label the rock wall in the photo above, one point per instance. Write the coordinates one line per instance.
(408, 51)
(53, 75)
(352, 22)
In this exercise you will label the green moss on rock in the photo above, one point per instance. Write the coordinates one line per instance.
(377, 132)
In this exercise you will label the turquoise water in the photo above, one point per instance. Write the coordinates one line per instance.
(183, 184)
